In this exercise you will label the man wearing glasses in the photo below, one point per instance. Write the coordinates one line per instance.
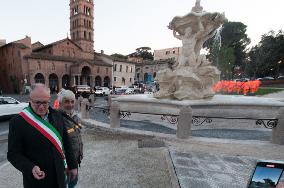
(38, 144)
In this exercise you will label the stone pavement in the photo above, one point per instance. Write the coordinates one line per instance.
(197, 169)
(110, 162)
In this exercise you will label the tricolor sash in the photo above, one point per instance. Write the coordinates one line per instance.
(46, 129)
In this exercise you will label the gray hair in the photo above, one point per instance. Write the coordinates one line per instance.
(39, 86)
(65, 94)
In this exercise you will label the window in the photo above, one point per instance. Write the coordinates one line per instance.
(115, 66)
(114, 79)
(85, 35)
(73, 35)
(75, 10)
(106, 70)
(126, 68)
(130, 80)
(8, 101)
(130, 69)
(90, 36)
(174, 52)
(77, 35)
(167, 52)
(98, 70)
(88, 11)
(38, 65)
(65, 67)
(120, 68)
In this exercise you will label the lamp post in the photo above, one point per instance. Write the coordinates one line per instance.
(278, 67)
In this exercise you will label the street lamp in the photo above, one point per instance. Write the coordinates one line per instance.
(278, 67)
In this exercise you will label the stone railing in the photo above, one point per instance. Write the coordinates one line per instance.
(185, 120)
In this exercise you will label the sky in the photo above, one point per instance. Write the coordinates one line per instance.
(121, 26)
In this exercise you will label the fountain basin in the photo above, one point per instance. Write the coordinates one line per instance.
(218, 105)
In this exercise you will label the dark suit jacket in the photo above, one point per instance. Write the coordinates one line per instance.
(27, 147)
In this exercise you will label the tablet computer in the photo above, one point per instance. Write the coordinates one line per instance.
(266, 175)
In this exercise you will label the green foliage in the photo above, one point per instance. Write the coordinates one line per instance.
(266, 59)
(143, 52)
(233, 40)
(267, 90)
(119, 56)
(226, 61)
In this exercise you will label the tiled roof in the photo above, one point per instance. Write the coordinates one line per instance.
(19, 45)
(54, 43)
(45, 56)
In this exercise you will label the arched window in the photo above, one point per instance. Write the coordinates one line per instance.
(123, 81)
(38, 65)
(39, 78)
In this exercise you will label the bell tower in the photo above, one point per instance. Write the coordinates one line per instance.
(82, 23)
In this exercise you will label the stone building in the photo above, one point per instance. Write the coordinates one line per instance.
(123, 72)
(147, 71)
(2, 42)
(168, 53)
(64, 63)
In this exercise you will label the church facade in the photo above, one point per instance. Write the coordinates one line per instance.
(62, 64)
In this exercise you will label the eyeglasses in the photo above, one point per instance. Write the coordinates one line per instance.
(38, 103)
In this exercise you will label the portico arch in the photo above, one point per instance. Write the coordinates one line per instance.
(53, 83)
(85, 78)
(39, 78)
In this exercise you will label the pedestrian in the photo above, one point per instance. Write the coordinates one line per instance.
(66, 99)
(38, 144)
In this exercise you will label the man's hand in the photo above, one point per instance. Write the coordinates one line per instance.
(37, 173)
(280, 185)
(73, 173)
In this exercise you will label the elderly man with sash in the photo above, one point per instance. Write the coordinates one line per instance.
(38, 144)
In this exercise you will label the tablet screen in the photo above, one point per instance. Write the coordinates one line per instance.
(265, 176)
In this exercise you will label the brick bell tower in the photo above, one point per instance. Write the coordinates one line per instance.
(82, 23)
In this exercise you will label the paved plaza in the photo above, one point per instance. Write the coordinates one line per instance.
(212, 158)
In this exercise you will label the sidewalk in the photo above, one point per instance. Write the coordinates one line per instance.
(113, 159)
(110, 163)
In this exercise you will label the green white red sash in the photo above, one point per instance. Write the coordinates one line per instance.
(46, 129)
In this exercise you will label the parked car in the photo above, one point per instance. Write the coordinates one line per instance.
(102, 91)
(83, 90)
(10, 106)
(120, 91)
(267, 78)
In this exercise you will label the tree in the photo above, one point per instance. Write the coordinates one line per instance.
(232, 36)
(266, 58)
(119, 56)
(143, 52)
(226, 60)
